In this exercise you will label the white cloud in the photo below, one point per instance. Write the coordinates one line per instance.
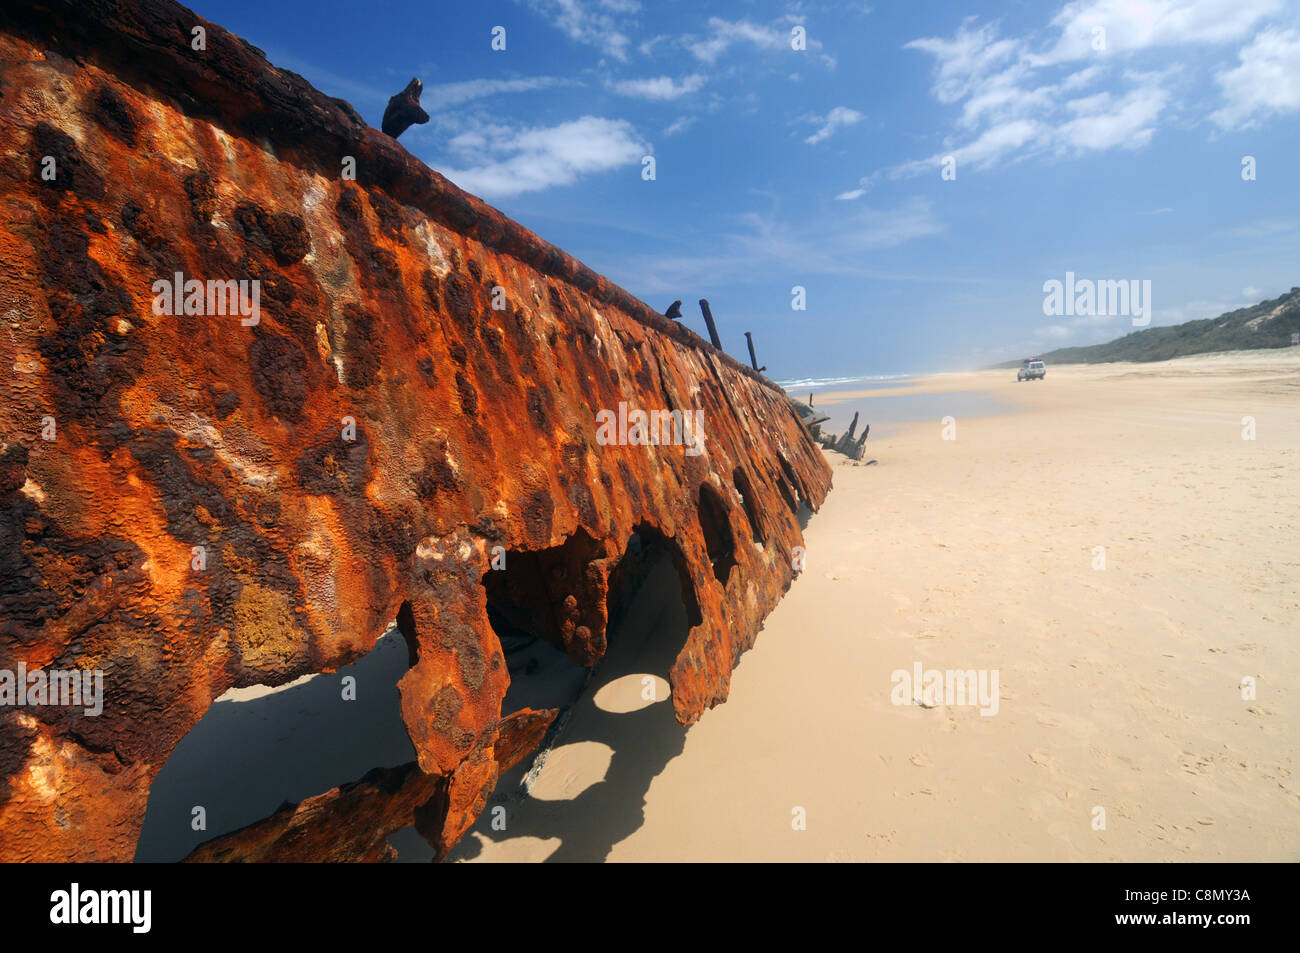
(531, 159)
(1084, 77)
(647, 47)
(768, 242)
(1016, 104)
(837, 118)
(1139, 24)
(591, 22)
(1105, 123)
(1264, 228)
(886, 228)
(1266, 82)
(1018, 101)
(1251, 293)
(680, 124)
(659, 88)
(851, 195)
(723, 34)
(1087, 124)
(453, 94)
(1000, 97)
(972, 54)
(994, 144)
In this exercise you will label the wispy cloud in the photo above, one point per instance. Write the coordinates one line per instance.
(509, 161)
(1264, 228)
(966, 59)
(1021, 98)
(764, 243)
(446, 95)
(602, 24)
(838, 118)
(647, 47)
(993, 145)
(661, 88)
(723, 34)
(1128, 25)
(1105, 122)
(776, 36)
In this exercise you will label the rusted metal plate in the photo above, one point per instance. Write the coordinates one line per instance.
(223, 501)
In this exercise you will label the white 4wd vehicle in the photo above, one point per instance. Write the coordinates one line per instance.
(1031, 371)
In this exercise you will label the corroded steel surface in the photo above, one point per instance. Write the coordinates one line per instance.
(474, 428)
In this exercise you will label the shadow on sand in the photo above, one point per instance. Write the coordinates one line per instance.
(641, 742)
(248, 755)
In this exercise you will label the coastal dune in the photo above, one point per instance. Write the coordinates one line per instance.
(1113, 546)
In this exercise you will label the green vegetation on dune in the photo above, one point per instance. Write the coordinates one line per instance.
(1264, 325)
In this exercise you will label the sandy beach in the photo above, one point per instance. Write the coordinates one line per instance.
(1109, 545)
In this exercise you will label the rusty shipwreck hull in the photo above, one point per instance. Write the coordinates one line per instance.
(190, 503)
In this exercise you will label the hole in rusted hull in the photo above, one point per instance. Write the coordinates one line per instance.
(552, 594)
(746, 490)
(718, 538)
(521, 601)
(787, 494)
(406, 626)
(581, 816)
(258, 747)
(793, 479)
(637, 563)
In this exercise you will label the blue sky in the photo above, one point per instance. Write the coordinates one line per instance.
(1102, 137)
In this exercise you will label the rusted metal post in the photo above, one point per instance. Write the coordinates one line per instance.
(708, 320)
(753, 359)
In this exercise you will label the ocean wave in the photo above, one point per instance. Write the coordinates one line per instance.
(815, 382)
